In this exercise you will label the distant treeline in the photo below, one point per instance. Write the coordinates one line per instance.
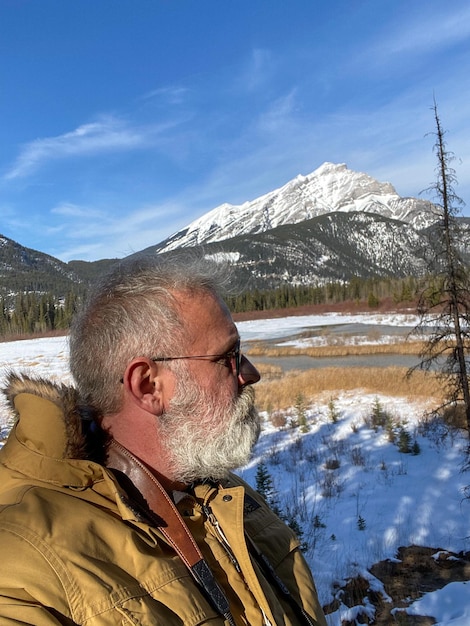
(33, 313)
(371, 290)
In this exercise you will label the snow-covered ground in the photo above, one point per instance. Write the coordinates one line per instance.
(279, 328)
(356, 496)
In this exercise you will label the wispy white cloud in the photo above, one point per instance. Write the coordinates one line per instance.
(107, 134)
(432, 31)
(258, 70)
(278, 114)
(71, 210)
(84, 252)
(422, 34)
(172, 94)
(114, 234)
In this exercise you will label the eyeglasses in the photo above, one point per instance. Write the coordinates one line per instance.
(230, 359)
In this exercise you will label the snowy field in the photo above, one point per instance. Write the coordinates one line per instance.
(355, 495)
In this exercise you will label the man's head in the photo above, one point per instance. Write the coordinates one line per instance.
(156, 342)
(210, 421)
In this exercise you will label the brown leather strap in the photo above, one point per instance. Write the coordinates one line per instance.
(174, 529)
(168, 521)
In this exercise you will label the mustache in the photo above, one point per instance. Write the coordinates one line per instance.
(245, 398)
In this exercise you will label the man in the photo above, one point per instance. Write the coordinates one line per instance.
(117, 504)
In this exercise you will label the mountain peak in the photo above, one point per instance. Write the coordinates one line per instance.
(331, 187)
(327, 167)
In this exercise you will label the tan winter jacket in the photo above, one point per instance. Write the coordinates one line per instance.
(73, 549)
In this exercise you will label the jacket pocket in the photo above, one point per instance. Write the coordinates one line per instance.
(174, 604)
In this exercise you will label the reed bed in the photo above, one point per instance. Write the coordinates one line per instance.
(281, 391)
(332, 350)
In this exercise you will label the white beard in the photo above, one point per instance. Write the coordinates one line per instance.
(206, 437)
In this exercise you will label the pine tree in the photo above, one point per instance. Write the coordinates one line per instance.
(301, 413)
(265, 487)
(445, 298)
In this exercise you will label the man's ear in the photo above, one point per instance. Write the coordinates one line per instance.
(143, 386)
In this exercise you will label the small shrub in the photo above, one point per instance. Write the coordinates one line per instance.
(278, 419)
(312, 456)
(301, 413)
(317, 522)
(264, 482)
(332, 464)
(331, 486)
(361, 523)
(415, 448)
(379, 417)
(433, 427)
(265, 487)
(402, 470)
(391, 434)
(292, 421)
(297, 528)
(333, 412)
(404, 441)
(357, 457)
(298, 446)
(316, 530)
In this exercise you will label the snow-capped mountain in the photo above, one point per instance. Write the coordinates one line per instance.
(332, 225)
(330, 188)
(334, 247)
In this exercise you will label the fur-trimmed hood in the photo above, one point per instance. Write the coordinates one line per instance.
(51, 418)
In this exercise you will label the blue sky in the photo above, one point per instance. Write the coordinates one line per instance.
(124, 120)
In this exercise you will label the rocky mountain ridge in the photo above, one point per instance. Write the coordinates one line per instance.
(332, 225)
(330, 188)
(328, 248)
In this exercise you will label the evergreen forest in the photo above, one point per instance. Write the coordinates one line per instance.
(31, 313)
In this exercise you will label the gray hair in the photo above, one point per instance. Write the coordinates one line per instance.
(132, 312)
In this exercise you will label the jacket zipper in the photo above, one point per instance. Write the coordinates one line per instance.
(224, 541)
(221, 536)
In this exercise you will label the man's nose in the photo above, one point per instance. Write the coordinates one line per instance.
(248, 375)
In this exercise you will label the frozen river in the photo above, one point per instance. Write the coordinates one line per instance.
(330, 329)
(306, 362)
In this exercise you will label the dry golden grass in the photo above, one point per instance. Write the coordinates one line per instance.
(408, 347)
(281, 392)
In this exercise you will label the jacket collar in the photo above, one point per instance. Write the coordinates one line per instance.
(50, 425)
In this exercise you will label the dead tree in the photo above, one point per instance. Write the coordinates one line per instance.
(444, 299)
